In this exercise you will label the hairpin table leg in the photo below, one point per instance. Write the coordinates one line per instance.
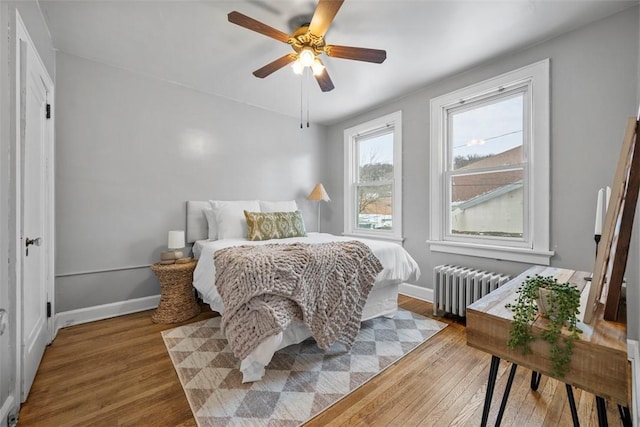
(535, 380)
(602, 412)
(625, 415)
(491, 383)
(572, 406)
(505, 396)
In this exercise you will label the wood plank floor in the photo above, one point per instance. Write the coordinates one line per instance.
(117, 372)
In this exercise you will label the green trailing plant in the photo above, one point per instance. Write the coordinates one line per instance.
(564, 306)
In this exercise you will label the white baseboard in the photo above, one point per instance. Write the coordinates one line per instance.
(633, 350)
(414, 291)
(99, 312)
(105, 311)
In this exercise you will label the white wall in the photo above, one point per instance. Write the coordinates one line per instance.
(594, 76)
(37, 28)
(132, 149)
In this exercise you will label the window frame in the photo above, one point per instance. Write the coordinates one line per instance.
(534, 247)
(450, 173)
(351, 168)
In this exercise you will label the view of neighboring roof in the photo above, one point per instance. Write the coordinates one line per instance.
(467, 187)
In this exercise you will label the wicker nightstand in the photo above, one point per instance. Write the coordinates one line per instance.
(177, 299)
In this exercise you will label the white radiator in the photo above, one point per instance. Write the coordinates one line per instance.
(454, 287)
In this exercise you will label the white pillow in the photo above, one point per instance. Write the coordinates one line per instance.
(211, 222)
(285, 206)
(230, 219)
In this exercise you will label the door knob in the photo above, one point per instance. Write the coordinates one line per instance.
(28, 242)
(37, 241)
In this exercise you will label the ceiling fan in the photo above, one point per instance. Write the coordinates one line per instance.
(308, 43)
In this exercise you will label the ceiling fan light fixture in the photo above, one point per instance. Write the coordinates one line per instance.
(306, 57)
(297, 67)
(317, 67)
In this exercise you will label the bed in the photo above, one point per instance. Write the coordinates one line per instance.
(224, 228)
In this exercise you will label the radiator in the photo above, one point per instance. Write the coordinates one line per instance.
(454, 287)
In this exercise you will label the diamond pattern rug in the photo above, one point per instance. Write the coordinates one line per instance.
(301, 380)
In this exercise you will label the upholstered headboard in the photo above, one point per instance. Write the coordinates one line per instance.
(197, 227)
(232, 213)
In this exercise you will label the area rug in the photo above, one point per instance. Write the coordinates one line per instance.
(301, 381)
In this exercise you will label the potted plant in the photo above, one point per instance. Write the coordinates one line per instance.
(560, 303)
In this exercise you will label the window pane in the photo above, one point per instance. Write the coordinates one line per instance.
(375, 208)
(488, 136)
(488, 204)
(375, 158)
(372, 178)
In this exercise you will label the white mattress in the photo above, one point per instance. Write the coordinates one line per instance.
(398, 266)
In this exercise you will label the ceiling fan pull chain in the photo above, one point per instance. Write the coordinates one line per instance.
(308, 77)
(301, 79)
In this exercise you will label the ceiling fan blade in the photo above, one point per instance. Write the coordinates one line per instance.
(323, 16)
(324, 81)
(275, 65)
(257, 26)
(358, 53)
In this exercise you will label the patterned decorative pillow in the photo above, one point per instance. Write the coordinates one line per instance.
(274, 225)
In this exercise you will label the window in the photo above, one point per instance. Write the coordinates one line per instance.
(490, 168)
(373, 178)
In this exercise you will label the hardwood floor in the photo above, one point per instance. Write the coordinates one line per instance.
(117, 372)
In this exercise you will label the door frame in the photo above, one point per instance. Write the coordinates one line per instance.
(22, 36)
(7, 393)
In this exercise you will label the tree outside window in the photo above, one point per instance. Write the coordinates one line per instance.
(373, 178)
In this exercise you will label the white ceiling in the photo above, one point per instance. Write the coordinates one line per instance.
(193, 44)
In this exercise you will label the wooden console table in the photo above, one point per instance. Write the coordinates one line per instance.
(599, 363)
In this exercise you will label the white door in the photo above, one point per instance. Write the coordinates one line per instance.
(36, 213)
(5, 392)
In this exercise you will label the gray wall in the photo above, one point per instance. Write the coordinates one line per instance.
(37, 28)
(594, 76)
(131, 149)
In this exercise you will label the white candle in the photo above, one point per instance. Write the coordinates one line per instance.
(598, 228)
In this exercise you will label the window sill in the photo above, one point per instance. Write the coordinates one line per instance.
(373, 236)
(529, 256)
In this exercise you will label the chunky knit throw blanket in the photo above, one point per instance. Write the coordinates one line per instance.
(265, 287)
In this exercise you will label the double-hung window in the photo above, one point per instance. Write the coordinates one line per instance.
(373, 181)
(490, 168)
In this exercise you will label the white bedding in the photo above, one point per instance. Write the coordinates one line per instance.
(398, 266)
